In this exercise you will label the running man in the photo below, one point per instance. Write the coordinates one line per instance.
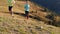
(10, 6)
(27, 7)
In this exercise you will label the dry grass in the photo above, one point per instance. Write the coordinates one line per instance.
(19, 25)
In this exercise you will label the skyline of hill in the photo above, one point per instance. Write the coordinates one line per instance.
(53, 5)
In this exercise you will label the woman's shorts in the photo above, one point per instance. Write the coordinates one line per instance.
(10, 8)
(26, 13)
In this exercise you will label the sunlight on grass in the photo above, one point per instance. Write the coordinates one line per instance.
(22, 31)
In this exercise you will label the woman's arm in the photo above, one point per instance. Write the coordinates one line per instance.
(13, 1)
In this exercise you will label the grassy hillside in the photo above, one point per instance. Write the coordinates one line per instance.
(19, 25)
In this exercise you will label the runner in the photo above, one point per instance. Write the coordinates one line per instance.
(10, 6)
(27, 7)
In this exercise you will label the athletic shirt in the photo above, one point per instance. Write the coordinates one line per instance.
(27, 6)
(11, 2)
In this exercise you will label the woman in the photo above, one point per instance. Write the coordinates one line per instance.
(27, 7)
(10, 6)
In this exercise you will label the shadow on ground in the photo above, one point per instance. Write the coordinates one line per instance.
(22, 14)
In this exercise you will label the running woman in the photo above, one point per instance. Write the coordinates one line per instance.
(27, 7)
(10, 6)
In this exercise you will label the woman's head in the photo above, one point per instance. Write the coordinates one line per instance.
(27, 2)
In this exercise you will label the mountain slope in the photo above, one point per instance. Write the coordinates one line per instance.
(19, 25)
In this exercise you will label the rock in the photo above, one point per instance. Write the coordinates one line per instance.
(39, 28)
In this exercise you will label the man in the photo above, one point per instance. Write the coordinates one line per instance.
(27, 7)
(10, 6)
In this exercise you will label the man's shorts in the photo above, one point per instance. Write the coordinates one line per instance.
(26, 13)
(10, 8)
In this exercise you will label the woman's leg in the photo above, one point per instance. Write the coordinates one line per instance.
(27, 14)
(10, 10)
